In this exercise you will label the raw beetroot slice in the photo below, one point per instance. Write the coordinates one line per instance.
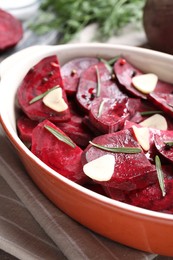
(151, 197)
(108, 114)
(72, 70)
(60, 156)
(44, 76)
(131, 171)
(162, 144)
(11, 30)
(93, 85)
(163, 101)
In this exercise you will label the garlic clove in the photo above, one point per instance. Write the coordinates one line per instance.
(100, 169)
(156, 121)
(145, 83)
(55, 101)
(142, 136)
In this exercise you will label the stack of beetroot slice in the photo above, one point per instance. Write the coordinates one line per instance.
(11, 31)
(97, 130)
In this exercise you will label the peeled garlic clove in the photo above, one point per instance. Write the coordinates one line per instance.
(55, 101)
(156, 121)
(100, 169)
(145, 83)
(142, 136)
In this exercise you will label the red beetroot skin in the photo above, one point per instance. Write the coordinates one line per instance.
(75, 129)
(116, 194)
(163, 101)
(114, 113)
(72, 70)
(132, 171)
(25, 127)
(61, 157)
(88, 86)
(11, 31)
(42, 77)
(162, 148)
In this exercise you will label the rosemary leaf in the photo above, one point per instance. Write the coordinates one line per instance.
(98, 82)
(169, 143)
(117, 149)
(35, 99)
(160, 175)
(108, 66)
(113, 60)
(101, 108)
(146, 113)
(60, 136)
(109, 63)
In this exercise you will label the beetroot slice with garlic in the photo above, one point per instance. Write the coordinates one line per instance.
(44, 76)
(162, 144)
(93, 85)
(72, 70)
(108, 115)
(60, 156)
(11, 31)
(124, 72)
(131, 171)
(163, 101)
(153, 151)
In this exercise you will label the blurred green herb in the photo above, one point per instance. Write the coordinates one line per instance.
(69, 17)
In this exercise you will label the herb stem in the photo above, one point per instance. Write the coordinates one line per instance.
(98, 82)
(160, 175)
(37, 98)
(146, 113)
(101, 108)
(117, 149)
(59, 136)
(169, 143)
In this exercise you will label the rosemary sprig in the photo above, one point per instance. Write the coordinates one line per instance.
(101, 108)
(35, 99)
(117, 149)
(60, 136)
(160, 175)
(113, 60)
(146, 113)
(98, 82)
(109, 63)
